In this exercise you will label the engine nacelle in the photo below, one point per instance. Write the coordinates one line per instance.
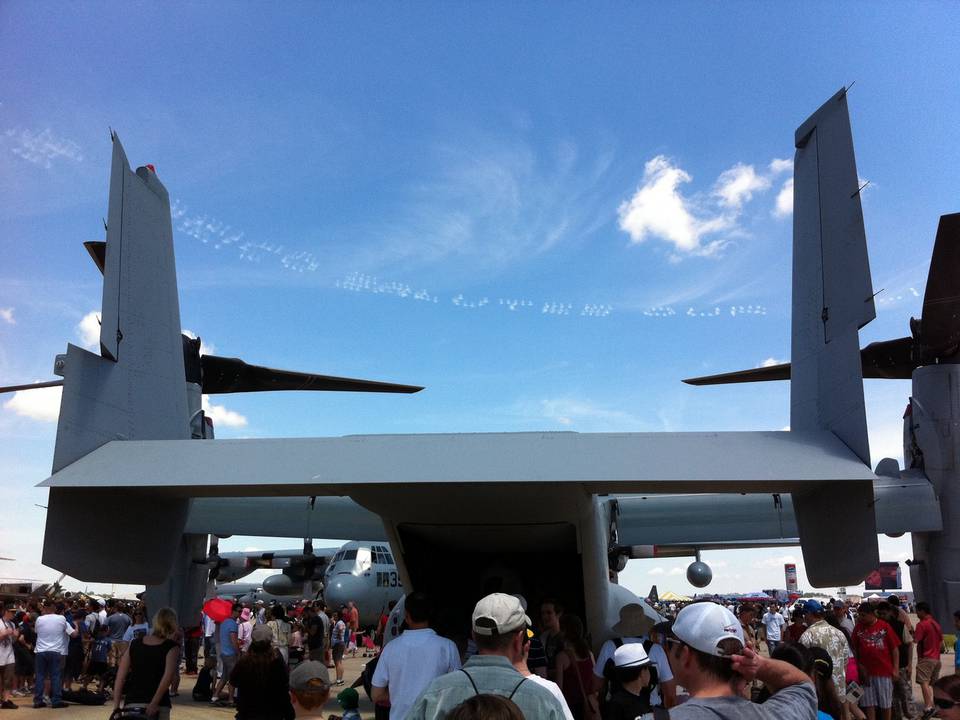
(280, 584)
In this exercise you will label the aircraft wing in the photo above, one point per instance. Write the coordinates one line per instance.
(713, 521)
(329, 517)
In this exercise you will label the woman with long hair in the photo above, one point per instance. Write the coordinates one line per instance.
(281, 632)
(261, 681)
(147, 668)
(574, 670)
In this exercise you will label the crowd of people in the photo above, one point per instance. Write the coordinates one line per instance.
(815, 660)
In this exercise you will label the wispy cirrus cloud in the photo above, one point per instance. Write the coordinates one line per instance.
(584, 414)
(6, 314)
(490, 203)
(41, 148)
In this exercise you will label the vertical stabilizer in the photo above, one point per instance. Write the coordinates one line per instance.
(832, 300)
(832, 290)
(133, 390)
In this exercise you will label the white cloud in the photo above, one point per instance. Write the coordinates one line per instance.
(205, 349)
(88, 330)
(738, 184)
(222, 416)
(656, 571)
(659, 209)
(675, 571)
(6, 314)
(784, 205)
(42, 404)
(779, 166)
(771, 361)
(42, 148)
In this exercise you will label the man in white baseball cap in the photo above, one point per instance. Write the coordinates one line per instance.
(499, 628)
(709, 658)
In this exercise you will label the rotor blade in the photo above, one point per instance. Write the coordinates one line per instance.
(232, 375)
(762, 374)
(98, 251)
(31, 386)
(889, 359)
(940, 321)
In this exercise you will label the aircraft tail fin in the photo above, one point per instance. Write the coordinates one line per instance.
(832, 289)
(832, 300)
(133, 390)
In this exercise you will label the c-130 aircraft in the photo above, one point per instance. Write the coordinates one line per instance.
(539, 513)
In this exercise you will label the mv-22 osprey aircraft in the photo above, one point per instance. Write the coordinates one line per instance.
(537, 513)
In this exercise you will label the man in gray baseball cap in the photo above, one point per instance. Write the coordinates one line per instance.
(309, 688)
(499, 624)
(711, 660)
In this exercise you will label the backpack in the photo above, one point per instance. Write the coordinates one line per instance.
(202, 690)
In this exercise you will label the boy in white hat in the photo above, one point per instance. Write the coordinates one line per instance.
(710, 659)
(636, 678)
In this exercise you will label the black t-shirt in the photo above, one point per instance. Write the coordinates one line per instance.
(315, 633)
(624, 705)
(147, 664)
(263, 691)
(898, 629)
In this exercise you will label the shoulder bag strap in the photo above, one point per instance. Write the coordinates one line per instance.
(516, 687)
(475, 690)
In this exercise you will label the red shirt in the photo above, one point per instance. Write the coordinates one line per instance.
(928, 637)
(874, 645)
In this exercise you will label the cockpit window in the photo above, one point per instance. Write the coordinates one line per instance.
(350, 554)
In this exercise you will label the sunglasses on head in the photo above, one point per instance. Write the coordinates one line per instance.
(945, 704)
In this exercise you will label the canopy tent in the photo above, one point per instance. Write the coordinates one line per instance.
(670, 596)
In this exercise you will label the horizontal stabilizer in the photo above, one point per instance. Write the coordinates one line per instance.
(233, 375)
(600, 462)
(812, 464)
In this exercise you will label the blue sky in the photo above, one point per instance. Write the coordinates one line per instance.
(547, 214)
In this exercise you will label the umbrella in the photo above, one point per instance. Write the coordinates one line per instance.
(218, 609)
